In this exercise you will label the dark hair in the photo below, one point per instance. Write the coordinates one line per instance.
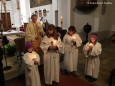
(72, 28)
(55, 34)
(33, 16)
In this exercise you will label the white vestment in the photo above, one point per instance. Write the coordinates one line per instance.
(31, 70)
(93, 61)
(71, 52)
(51, 60)
(33, 30)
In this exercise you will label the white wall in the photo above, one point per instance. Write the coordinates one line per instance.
(28, 10)
(79, 19)
(49, 16)
(51, 8)
(15, 16)
(64, 11)
(23, 11)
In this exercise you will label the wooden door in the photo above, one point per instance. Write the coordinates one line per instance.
(4, 20)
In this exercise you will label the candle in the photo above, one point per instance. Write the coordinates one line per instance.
(34, 57)
(61, 21)
(91, 45)
(41, 22)
(73, 38)
(53, 42)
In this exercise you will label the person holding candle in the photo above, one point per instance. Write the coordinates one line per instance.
(51, 45)
(31, 60)
(92, 50)
(72, 42)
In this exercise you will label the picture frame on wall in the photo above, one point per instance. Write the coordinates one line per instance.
(37, 3)
(40, 13)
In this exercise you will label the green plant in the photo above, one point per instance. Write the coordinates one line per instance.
(10, 49)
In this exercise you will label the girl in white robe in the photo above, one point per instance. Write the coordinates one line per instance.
(72, 42)
(51, 46)
(92, 50)
(31, 60)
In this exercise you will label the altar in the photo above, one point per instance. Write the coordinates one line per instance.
(12, 32)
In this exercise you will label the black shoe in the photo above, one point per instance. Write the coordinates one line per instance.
(65, 71)
(56, 83)
(74, 73)
(91, 79)
(87, 77)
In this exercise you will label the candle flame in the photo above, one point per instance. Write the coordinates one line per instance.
(34, 56)
(73, 37)
(90, 44)
(41, 22)
(61, 17)
(54, 42)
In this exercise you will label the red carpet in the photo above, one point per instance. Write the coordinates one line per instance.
(65, 80)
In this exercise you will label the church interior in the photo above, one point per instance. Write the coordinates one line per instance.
(88, 16)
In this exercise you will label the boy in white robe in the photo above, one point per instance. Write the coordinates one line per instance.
(92, 50)
(31, 60)
(51, 46)
(72, 42)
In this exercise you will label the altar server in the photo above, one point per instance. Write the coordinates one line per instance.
(72, 42)
(51, 45)
(31, 60)
(92, 50)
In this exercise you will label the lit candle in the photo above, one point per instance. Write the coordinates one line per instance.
(53, 42)
(73, 38)
(41, 22)
(91, 45)
(61, 21)
(34, 57)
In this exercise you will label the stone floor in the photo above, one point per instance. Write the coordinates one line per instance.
(107, 59)
(107, 64)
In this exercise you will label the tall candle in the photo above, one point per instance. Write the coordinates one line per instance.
(61, 19)
(61, 22)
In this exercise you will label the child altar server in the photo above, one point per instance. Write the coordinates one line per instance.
(51, 45)
(72, 42)
(92, 50)
(31, 60)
